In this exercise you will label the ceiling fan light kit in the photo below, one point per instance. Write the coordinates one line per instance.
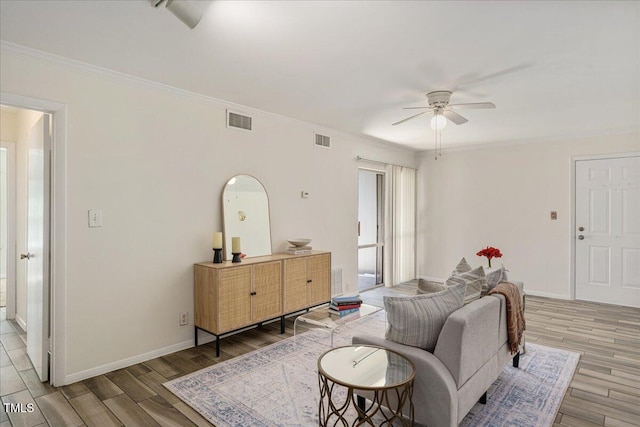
(438, 122)
(443, 112)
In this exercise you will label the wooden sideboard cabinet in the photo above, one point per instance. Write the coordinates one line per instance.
(232, 296)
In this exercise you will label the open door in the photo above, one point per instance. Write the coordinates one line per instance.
(37, 256)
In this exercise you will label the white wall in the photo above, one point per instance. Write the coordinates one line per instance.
(502, 196)
(155, 162)
(8, 126)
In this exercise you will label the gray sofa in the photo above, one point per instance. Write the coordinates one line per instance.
(470, 352)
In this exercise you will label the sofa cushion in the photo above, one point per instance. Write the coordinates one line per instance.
(496, 276)
(475, 280)
(426, 286)
(417, 320)
(462, 267)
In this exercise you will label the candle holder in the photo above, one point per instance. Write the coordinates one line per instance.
(217, 255)
(236, 257)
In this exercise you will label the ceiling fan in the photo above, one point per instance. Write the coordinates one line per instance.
(439, 104)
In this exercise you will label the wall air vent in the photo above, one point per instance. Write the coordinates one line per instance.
(323, 141)
(238, 121)
(336, 281)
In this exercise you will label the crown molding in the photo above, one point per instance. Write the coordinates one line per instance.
(528, 141)
(8, 48)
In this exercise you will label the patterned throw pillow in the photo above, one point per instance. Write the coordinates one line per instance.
(462, 267)
(426, 286)
(496, 276)
(475, 280)
(417, 320)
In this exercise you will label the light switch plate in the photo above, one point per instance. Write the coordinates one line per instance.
(95, 218)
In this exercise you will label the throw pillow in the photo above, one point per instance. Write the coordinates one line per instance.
(429, 286)
(475, 280)
(495, 277)
(417, 320)
(462, 267)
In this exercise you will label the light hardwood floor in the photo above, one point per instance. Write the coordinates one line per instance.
(605, 389)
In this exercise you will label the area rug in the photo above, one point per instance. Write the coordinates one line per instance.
(278, 385)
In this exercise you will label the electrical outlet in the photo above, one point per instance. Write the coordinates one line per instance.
(95, 218)
(184, 318)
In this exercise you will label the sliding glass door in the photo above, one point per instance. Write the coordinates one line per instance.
(370, 228)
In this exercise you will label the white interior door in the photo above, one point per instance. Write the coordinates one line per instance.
(608, 230)
(37, 256)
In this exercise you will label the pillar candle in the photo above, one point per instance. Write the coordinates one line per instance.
(217, 240)
(235, 245)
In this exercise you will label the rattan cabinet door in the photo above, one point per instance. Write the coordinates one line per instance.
(267, 288)
(234, 293)
(319, 274)
(295, 284)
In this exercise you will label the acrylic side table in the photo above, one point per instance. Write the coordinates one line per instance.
(320, 317)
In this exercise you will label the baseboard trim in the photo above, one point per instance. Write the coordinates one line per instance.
(545, 294)
(103, 369)
(20, 321)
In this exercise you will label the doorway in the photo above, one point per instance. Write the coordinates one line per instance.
(607, 230)
(370, 228)
(7, 221)
(25, 227)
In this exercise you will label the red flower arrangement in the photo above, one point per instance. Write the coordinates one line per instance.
(490, 252)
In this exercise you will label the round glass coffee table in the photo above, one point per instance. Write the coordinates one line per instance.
(384, 376)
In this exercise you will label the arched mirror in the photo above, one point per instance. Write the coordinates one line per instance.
(245, 211)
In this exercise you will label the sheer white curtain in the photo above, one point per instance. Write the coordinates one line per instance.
(403, 223)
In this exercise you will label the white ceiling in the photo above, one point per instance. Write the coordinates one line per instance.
(555, 70)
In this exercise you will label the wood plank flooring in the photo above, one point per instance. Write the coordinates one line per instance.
(605, 390)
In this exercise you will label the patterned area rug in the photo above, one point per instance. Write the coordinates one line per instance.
(278, 385)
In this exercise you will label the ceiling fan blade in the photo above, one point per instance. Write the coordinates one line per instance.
(472, 105)
(417, 108)
(408, 118)
(454, 117)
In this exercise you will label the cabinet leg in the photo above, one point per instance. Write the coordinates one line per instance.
(217, 346)
(282, 324)
(196, 331)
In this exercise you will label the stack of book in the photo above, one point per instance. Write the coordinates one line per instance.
(297, 250)
(345, 305)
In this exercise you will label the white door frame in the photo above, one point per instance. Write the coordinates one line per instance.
(574, 159)
(58, 227)
(11, 227)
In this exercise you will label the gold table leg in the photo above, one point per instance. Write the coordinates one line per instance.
(332, 414)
